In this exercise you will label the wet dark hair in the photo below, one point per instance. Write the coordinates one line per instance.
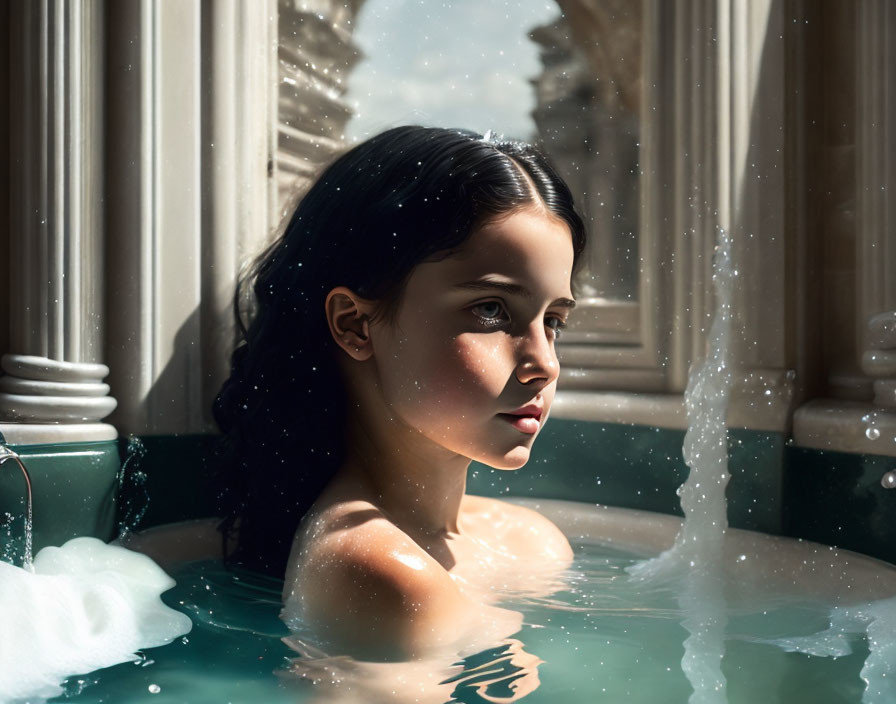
(408, 194)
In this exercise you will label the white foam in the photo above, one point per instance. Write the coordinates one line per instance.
(81, 607)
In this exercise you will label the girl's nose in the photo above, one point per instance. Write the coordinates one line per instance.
(537, 358)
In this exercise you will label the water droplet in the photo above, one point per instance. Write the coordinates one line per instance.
(872, 433)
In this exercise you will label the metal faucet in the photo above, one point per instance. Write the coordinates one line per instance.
(6, 453)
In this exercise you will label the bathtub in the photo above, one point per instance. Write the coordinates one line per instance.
(624, 463)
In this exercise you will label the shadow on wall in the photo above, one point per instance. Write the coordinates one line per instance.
(180, 398)
(175, 425)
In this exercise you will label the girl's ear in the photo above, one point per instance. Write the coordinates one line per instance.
(348, 316)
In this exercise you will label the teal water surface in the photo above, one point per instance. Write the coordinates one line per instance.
(601, 638)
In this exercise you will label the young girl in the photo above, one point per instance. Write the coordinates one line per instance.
(405, 324)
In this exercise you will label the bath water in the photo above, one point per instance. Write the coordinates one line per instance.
(601, 638)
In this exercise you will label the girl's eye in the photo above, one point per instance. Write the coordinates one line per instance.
(559, 324)
(488, 313)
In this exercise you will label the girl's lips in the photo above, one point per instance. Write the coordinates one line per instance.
(525, 424)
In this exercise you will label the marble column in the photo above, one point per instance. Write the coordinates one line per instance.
(875, 183)
(52, 389)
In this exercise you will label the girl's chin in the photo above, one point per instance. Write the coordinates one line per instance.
(510, 461)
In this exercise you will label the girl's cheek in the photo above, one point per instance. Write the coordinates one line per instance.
(450, 373)
(483, 364)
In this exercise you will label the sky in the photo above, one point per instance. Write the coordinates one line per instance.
(451, 63)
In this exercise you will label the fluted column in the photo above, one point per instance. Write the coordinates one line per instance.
(55, 265)
(239, 57)
(876, 203)
(750, 202)
(154, 213)
(191, 88)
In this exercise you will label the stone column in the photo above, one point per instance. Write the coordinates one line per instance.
(55, 264)
(875, 186)
(189, 104)
(153, 213)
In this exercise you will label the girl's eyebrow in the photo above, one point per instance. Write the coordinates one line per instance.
(512, 289)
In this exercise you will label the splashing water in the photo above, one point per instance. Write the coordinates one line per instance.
(696, 556)
(132, 487)
(699, 543)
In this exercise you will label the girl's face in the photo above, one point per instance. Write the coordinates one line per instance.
(474, 339)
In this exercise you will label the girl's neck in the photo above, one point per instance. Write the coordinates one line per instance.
(418, 484)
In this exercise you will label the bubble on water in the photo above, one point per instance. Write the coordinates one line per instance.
(154, 689)
(872, 432)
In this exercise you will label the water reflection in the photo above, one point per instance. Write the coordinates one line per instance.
(504, 673)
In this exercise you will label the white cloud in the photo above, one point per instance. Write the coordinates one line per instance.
(460, 63)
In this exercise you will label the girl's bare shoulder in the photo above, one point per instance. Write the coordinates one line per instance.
(364, 583)
(345, 527)
(526, 531)
(340, 532)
